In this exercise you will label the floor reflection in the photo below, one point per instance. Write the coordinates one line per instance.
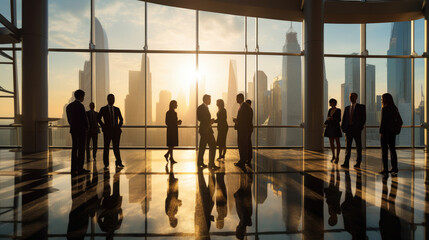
(289, 194)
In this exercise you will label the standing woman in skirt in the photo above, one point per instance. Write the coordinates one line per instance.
(333, 129)
(172, 130)
(222, 128)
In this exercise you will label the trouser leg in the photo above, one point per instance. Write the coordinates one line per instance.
(202, 149)
(212, 149)
(358, 140)
(94, 146)
(81, 150)
(107, 139)
(116, 140)
(88, 153)
(349, 140)
(393, 156)
(384, 146)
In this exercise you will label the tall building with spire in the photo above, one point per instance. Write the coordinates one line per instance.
(102, 77)
(231, 102)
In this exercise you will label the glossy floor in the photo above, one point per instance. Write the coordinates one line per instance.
(289, 194)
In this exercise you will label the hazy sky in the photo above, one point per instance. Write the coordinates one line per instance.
(175, 29)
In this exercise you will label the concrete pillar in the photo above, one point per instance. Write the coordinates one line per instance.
(426, 89)
(34, 75)
(313, 110)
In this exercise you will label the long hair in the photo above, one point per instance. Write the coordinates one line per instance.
(388, 100)
(220, 103)
(172, 104)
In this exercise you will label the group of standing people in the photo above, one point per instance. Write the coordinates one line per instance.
(352, 124)
(84, 127)
(243, 125)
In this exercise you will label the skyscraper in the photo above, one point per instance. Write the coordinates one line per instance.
(262, 100)
(352, 79)
(370, 95)
(231, 102)
(102, 79)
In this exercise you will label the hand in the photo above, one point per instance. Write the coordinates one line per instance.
(234, 120)
(179, 122)
(212, 121)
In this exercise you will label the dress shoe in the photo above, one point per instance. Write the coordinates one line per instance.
(202, 165)
(166, 157)
(106, 168)
(214, 167)
(384, 172)
(357, 165)
(249, 165)
(345, 165)
(119, 165)
(83, 171)
(394, 170)
(172, 161)
(239, 164)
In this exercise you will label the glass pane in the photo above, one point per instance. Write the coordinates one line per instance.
(389, 38)
(157, 137)
(67, 73)
(419, 37)
(276, 137)
(6, 79)
(172, 77)
(419, 97)
(5, 9)
(419, 137)
(6, 107)
(279, 36)
(119, 24)
(251, 34)
(221, 32)
(371, 98)
(69, 24)
(170, 28)
(250, 78)
(60, 136)
(342, 38)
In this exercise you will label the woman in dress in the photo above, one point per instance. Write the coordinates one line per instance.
(172, 130)
(222, 128)
(333, 130)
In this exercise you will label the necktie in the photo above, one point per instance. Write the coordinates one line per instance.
(112, 117)
(352, 111)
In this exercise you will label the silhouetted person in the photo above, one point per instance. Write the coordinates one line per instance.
(390, 225)
(204, 205)
(78, 217)
(353, 208)
(93, 132)
(353, 122)
(172, 202)
(206, 134)
(111, 127)
(333, 197)
(111, 215)
(221, 197)
(172, 130)
(248, 101)
(250, 154)
(333, 129)
(244, 127)
(222, 128)
(93, 201)
(78, 126)
(389, 113)
(243, 204)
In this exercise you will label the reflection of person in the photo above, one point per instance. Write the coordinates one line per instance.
(204, 206)
(390, 226)
(352, 125)
(206, 133)
(389, 113)
(243, 203)
(172, 201)
(244, 127)
(353, 208)
(333, 130)
(221, 197)
(111, 216)
(78, 217)
(333, 197)
(93, 132)
(78, 125)
(172, 130)
(222, 128)
(111, 129)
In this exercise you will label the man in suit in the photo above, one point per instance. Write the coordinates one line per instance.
(78, 126)
(244, 127)
(206, 134)
(93, 132)
(354, 118)
(111, 127)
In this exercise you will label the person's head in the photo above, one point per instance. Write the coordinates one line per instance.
(111, 99)
(387, 100)
(173, 104)
(248, 101)
(333, 220)
(332, 102)
(353, 97)
(207, 99)
(240, 98)
(79, 95)
(220, 223)
(173, 222)
(92, 106)
(220, 104)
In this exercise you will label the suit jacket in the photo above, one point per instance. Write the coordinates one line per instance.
(358, 120)
(204, 116)
(107, 124)
(245, 119)
(388, 115)
(93, 122)
(76, 117)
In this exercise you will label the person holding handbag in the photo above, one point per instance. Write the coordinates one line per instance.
(333, 129)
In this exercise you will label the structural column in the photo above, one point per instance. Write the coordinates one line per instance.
(313, 110)
(426, 89)
(34, 75)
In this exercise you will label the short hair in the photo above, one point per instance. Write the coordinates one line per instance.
(206, 96)
(110, 94)
(240, 95)
(172, 102)
(333, 101)
(92, 103)
(79, 93)
(248, 101)
(354, 94)
(220, 103)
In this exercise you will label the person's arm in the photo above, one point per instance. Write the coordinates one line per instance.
(337, 116)
(69, 118)
(363, 116)
(99, 116)
(383, 121)
(85, 119)
(121, 120)
(343, 122)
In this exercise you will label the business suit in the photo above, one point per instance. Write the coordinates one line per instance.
(206, 134)
(352, 125)
(92, 134)
(243, 205)
(244, 129)
(78, 125)
(388, 114)
(112, 131)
